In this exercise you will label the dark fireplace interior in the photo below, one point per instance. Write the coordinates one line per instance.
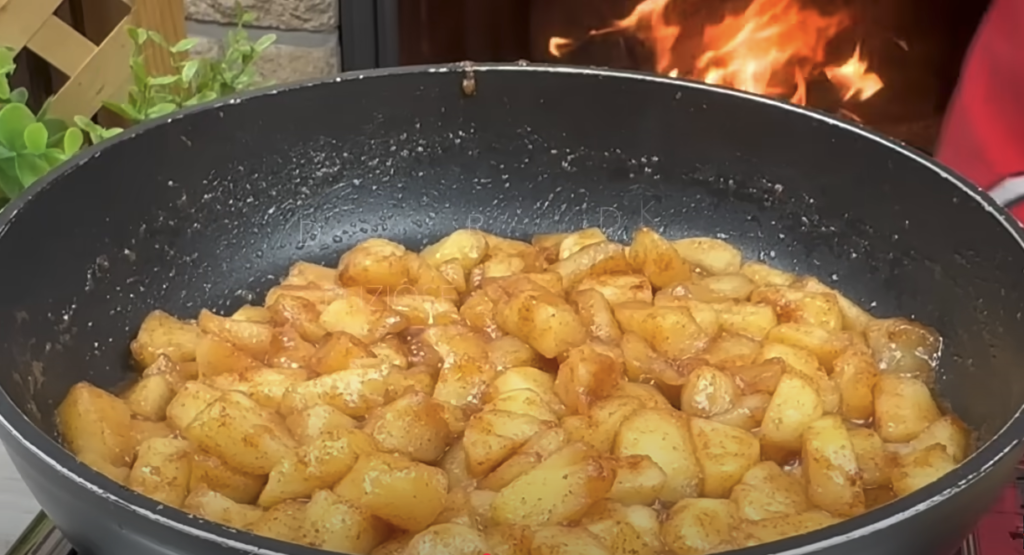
(912, 49)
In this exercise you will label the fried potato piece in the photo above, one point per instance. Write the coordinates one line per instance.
(510, 352)
(494, 435)
(747, 413)
(161, 470)
(316, 466)
(597, 315)
(855, 373)
(619, 288)
(919, 468)
(562, 540)
(544, 321)
(266, 386)
(150, 396)
(656, 258)
(708, 391)
(725, 454)
(212, 474)
(794, 405)
(766, 491)
(359, 314)
(355, 392)
(949, 432)
(252, 338)
(714, 256)
(215, 356)
(556, 491)
(638, 480)
(664, 436)
(412, 425)
(625, 530)
(587, 375)
(447, 538)
(755, 532)
(213, 506)
(190, 401)
(93, 421)
(335, 524)
(163, 334)
(830, 463)
(594, 259)
(242, 433)
(300, 314)
(284, 521)
(903, 408)
(873, 460)
(465, 246)
(316, 421)
(382, 484)
(698, 526)
(374, 263)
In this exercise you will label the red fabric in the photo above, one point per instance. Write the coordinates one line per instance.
(983, 133)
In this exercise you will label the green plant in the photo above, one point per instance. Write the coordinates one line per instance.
(33, 144)
(30, 144)
(196, 80)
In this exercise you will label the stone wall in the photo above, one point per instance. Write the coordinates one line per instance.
(307, 43)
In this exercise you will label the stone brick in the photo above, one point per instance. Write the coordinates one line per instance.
(308, 15)
(284, 63)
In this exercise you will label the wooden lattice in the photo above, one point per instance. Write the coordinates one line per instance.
(95, 73)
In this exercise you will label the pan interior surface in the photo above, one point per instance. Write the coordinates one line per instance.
(210, 209)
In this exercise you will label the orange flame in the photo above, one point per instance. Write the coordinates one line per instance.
(772, 48)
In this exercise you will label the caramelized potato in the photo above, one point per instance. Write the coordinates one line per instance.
(708, 391)
(190, 401)
(218, 508)
(493, 435)
(150, 396)
(619, 288)
(714, 256)
(374, 263)
(597, 315)
(334, 524)
(638, 480)
(664, 436)
(356, 313)
(771, 529)
(316, 466)
(794, 405)
(657, 259)
(874, 462)
(283, 522)
(594, 259)
(545, 321)
(95, 422)
(556, 491)
(252, 338)
(413, 425)
(903, 408)
(855, 373)
(803, 307)
(949, 432)
(766, 491)
(215, 356)
(381, 484)
(466, 246)
(725, 454)
(747, 413)
(830, 464)
(317, 421)
(698, 526)
(753, 320)
(354, 392)
(212, 474)
(266, 386)
(587, 375)
(162, 470)
(163, 334)
(447, 538)
(509, 352)
(561, 540)
(300, 314)
(242, 433)
(338, 352)
(917, 469)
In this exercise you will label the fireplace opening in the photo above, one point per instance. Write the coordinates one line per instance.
(890, 64)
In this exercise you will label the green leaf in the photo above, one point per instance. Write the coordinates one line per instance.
(139, 73)
(160, 110)
(14, 119)
(126, 111)
(108, 133)
(264, 42)
(30, 167)
(162, 80)
(54, 126)
(184, 45)
(54, 157)
(205, 96)
(95, 131)
(4, 153)
(6, 60)
(73, 140)
(19, 95)
(5, 88)
(137, 35)
(158, 38)
(41, 116)
(188, 71)
(35, 138)
(9, 182)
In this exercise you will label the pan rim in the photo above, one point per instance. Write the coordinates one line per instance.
(56, 456)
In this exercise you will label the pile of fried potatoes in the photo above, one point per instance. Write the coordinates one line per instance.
(566, 396)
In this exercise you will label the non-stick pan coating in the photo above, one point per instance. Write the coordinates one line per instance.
(210, 209)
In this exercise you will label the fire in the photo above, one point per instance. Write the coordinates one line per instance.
(773, 48)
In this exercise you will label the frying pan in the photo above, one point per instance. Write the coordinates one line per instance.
(209, 207)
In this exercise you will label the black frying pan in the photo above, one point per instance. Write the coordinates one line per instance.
(208, 208)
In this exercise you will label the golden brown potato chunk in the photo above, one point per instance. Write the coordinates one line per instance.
(664, 436)
(162, 469)
(412, 425)
(545, 321)
(656, 258)
(94, 421)
(163, 334)
(405, 493)
(697, 526)
(903, 408)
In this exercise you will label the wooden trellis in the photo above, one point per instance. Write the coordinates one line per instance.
(95, 73)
